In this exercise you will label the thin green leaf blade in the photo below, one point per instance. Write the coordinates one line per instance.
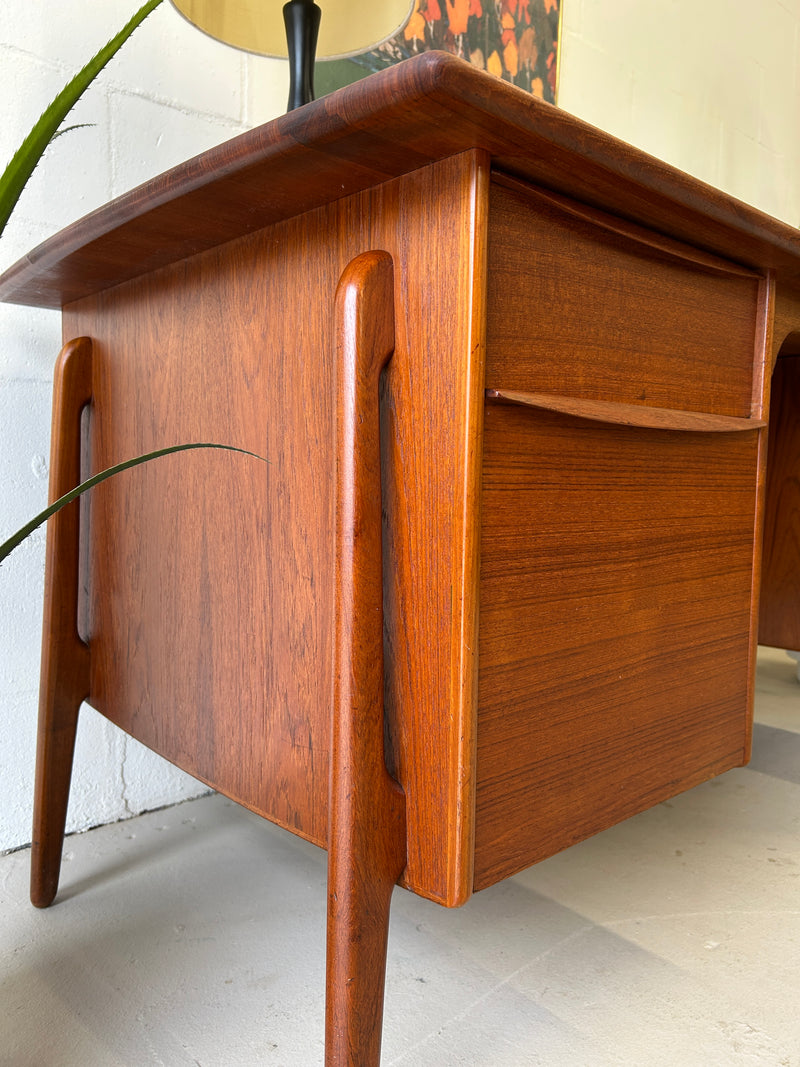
(16, 539)
(19, 170)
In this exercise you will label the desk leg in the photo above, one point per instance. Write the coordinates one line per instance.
(64, 682)
(779, 622)
(366, 835)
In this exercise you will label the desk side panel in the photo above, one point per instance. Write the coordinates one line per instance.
(210, 605)
(210, 572)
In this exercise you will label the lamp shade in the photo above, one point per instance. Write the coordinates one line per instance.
(347, 28)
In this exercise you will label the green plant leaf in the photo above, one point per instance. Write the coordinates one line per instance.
(69, 129)
(19, 170)
(16, 539)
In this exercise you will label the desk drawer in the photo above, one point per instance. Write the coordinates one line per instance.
(582, 304)
(617, 569)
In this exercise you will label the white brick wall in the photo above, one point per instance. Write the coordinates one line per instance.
(711, 86)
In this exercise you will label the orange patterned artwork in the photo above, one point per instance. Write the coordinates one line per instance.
(515, 39)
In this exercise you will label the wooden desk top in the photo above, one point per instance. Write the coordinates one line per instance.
(428, 108)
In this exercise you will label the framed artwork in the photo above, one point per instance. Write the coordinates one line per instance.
(516, 40)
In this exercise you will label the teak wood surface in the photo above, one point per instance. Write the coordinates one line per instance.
(238, 641)
(367, 825)
(506, 588)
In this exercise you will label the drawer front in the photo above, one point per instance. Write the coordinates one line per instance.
(585, 305)
(617, 571)
(622, 462)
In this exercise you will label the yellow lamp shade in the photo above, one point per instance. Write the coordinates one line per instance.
(347, 28)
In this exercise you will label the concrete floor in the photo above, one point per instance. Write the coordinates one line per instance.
(195, 936)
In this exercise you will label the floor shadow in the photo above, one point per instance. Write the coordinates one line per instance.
(776, 752)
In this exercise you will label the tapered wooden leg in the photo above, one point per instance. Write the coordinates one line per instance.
(366, 836)
(64, 679)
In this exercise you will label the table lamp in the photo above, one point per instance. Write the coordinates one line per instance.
(340, 29)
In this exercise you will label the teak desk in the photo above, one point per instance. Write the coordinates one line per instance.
(497, 587)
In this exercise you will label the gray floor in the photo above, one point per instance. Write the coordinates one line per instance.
(196, 936)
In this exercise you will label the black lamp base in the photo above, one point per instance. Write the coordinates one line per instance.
(302, 18)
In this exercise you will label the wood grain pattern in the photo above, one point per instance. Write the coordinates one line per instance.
(762, 367)
(616, 584)
(432, 497)
(211, 605)
(582, 311)
(785, 332)
(640, 415)
(65, 657)
(404, 118)
(210, 594)
(659, 244)
(367, 826)
(621, 519)
(779, 622)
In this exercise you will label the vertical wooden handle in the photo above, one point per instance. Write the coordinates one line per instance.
(366, 835)
(64, 682)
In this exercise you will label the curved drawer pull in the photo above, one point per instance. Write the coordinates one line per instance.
(627, 414)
